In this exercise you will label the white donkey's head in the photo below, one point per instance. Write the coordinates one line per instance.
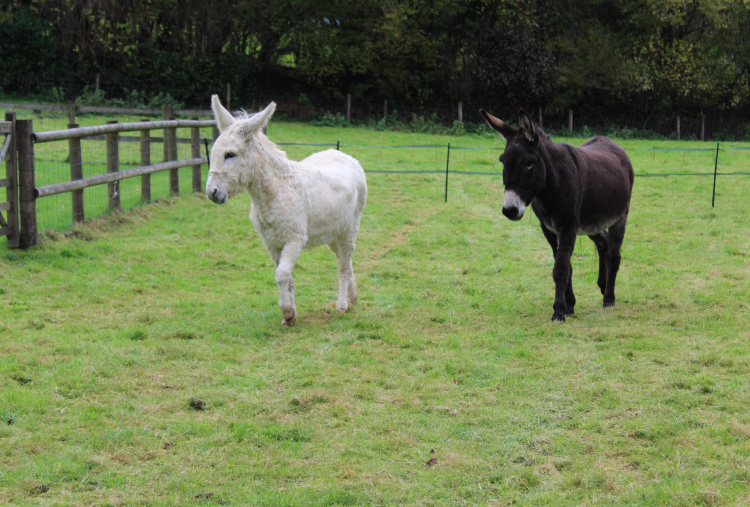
(237, 152)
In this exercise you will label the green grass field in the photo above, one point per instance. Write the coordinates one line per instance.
(142, 361)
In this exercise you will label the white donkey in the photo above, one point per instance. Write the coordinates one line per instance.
(295, 205)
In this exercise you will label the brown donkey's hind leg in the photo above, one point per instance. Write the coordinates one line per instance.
(601, 241)
(616, 236)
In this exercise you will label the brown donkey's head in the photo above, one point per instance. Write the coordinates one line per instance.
(523, 169)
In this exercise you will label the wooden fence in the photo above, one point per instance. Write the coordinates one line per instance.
(28, 192)
(9, 226)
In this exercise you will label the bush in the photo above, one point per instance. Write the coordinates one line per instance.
(331, 120)
(458, 128)
(390, 122)
(135, 99)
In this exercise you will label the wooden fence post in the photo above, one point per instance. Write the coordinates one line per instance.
(348, 107)
(145, 161)
(385, 108)
(229, 97)
(166, 116)
(541, 118)
(570, 120)
(195, 145)
(113, 166)
(76, 173)
(678, 126)
(72, 112)
(11, 174)
(174, 174)
(460, 111)
(26, 184)
(703, 127)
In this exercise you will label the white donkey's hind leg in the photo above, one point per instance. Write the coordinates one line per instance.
(347, 285)
(285, 281)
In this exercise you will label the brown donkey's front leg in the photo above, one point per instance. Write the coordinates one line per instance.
(561, 273)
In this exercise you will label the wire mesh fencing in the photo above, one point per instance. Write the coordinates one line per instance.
(53, 165)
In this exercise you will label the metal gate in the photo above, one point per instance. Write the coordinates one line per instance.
(9, 222)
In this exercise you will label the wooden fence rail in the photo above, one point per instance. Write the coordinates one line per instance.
(28, 191)
(58, 135)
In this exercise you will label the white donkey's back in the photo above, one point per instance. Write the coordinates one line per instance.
(335, 189)
(317, 201)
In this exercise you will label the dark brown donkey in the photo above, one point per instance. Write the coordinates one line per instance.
(573, 191)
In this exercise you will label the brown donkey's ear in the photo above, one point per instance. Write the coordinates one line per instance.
(527, 126)
(505, 130)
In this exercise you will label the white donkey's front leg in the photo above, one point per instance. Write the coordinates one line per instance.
(284, 279)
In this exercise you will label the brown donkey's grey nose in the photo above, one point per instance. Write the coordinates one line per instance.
(511, 213)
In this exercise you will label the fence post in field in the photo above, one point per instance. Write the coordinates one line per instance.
(72, 112)
(166, 115)
(215, 132)
(703, 127)
(26, 184)
(11, 174)
(229, 97)
(113, 166)
(716, 170)
(447, 165)
(348, 107)
(541, 117)
(195, 147)
(385, 108)
(460, 111)
(145, 138)
(570, 120)
(678, 126)
(174, 174)
(76, 173)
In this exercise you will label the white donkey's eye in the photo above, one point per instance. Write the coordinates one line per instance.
(229, 155)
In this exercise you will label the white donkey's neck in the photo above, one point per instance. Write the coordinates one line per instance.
(272, 173)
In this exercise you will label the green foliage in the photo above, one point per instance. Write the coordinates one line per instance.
(134, 99)
(604, 58)
(27, 48)
(390, 122)
(331, 120)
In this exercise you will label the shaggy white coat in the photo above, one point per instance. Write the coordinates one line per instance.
(295, 205)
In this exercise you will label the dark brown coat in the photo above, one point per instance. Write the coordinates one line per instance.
(573, 191)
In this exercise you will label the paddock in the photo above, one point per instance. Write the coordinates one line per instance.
(142, 359)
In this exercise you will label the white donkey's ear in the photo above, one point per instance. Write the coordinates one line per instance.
(223, 117)
(260, 120)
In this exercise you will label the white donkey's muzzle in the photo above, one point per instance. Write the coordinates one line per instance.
(216, 195)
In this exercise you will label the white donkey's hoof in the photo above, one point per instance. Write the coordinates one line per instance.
(289, 320)
(342, 309)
